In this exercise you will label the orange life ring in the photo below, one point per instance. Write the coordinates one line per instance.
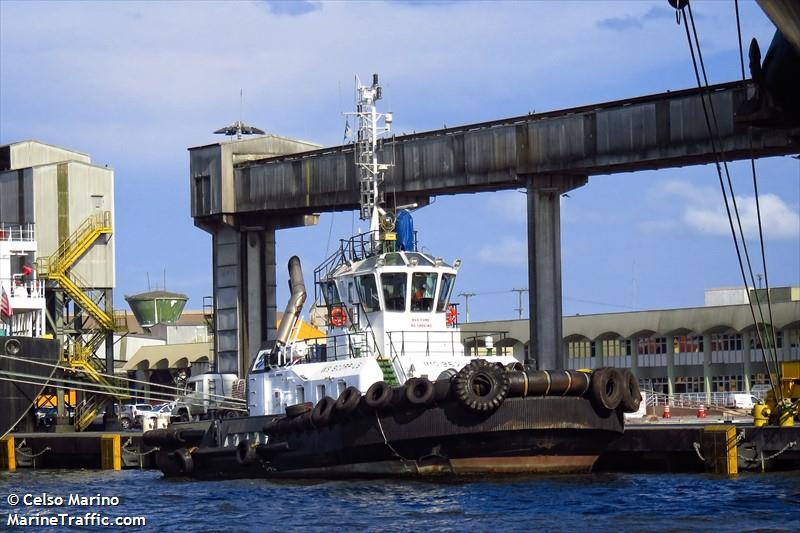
(451, 315)
(338, 317)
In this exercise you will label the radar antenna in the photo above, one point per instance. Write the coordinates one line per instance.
(372, 125)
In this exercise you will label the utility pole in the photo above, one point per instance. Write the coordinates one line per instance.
(519, 293)
(467, 296)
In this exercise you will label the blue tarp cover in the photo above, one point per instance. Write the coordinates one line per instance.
(405, 231)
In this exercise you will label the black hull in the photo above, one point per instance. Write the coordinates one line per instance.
(524, 435)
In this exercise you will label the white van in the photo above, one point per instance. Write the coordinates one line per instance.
(740, 400)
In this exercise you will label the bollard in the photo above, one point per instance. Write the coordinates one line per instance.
(720, 450)
(110, 452)
(8, 458)
(760, 415)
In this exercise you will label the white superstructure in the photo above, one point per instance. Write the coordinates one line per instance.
(388, 304)
(18, 280)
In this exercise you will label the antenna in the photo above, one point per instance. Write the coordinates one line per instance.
(371, 125)
(467, 296)
(239, 128)
(519, 294)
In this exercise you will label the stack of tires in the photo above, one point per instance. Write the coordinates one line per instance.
(480, 386)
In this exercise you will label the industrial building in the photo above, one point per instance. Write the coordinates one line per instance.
(713, 348)
(57, 257)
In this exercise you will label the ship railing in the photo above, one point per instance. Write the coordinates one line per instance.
(425, 342)
(333, 347)
(476, 340)
(687, 399)
(17, 232)
(19, 286)
(356, 248)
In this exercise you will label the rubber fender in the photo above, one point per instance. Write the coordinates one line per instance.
(579, 383)
(322, 414)
(379, 395)
(184, 461)
(442, 390)
(539, 382)
(481, 386)
(245, 452)
(419, 391)
(560, 381)
(301, 423)
(517, 384)
(631, 395)
(298, 409)
(348, 400)
(166, 462)
(606, 387)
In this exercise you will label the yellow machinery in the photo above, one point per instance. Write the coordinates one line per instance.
(782, 405)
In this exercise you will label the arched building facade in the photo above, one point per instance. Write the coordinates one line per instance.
(714, 348)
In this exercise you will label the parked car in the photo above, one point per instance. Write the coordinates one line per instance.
(130, 412)
(46, 416)
(740, 400)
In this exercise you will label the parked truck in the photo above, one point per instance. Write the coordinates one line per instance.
(211, 395)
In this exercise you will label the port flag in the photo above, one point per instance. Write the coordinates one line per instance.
(5, 305)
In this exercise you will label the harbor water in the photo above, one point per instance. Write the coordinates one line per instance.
(601, 502)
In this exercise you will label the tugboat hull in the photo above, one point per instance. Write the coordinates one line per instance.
(523, 435)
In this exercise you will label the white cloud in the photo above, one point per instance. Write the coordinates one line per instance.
(509, 205)
(704, 211)
(509, 251)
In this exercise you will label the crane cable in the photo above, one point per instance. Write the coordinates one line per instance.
(717, 158)
(773, 339)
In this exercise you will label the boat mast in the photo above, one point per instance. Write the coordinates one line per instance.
(371, 126)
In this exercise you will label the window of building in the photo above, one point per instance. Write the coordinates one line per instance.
(688, 344)
(616, 347)
(341, 386)
(689, 384)
(755, 344)
(320, 392)
(580, 349)
(727, 342)
(651, 345)
(202, 194)
(300, 394)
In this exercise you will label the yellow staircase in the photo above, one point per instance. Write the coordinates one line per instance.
(80, 351)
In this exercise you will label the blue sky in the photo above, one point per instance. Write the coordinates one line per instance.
(136, 83)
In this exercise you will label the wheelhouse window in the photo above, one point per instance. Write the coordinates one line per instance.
(368, 293)
(423, 286)
(394, 290)
(330, 293)
(448, 280)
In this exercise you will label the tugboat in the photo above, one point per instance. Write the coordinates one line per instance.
(390, 391)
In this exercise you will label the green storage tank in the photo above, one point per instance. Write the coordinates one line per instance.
(156, 307)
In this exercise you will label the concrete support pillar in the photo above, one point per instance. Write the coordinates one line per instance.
(258, 294)
(670, 356)
(227, 311)
(244, 295)
(746, 371)
(544, 266)
(707, 366)
(635, 356)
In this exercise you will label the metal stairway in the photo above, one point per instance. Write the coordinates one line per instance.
(389, 375)
(79, 352)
